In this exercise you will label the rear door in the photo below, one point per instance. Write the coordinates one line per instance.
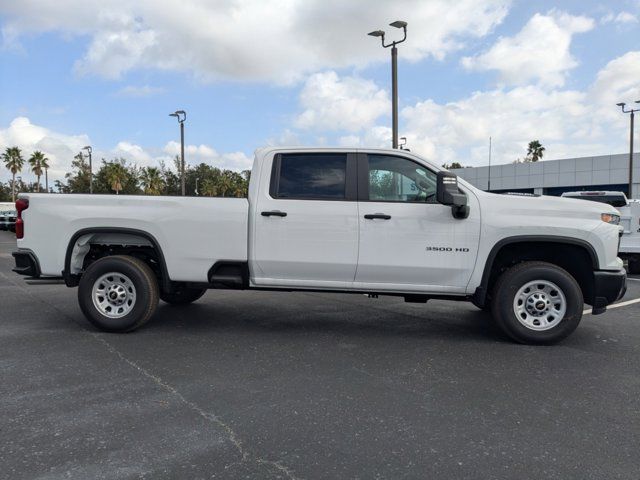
(306, 221)
(408, 241)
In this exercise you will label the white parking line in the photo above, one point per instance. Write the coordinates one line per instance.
(634, 279)
(616, 305)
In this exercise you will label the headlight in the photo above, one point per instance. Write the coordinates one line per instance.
(611, 218)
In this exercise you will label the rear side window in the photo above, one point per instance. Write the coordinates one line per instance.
(310, 176)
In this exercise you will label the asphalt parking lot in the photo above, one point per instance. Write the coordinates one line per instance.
(307, 385)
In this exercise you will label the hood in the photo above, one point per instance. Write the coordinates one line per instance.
(548, 206)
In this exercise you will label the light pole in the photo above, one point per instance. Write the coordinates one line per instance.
(394, 74)
(489, 175)
(181, 115)
(197, 179)
(632, 112)
(89, 150)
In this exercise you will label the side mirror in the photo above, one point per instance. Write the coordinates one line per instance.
(447, 193)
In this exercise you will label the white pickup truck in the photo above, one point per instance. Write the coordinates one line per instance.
(383, 222)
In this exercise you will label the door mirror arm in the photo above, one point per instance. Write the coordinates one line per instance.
(447, 193)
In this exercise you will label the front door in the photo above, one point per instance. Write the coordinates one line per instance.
(306, 225)
(408, 241)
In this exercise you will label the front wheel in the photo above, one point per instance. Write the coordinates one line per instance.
(118, 293)
(537, 303)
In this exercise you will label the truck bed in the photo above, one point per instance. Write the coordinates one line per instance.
(193, 232)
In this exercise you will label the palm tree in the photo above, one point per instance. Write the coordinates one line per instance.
(13, 160)
(152, 181)
(224, 183)
(208, 188)
(535, 151)
(116, 174)
(38, 163)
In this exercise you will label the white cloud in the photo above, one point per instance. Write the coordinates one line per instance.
(60, 148)
(334, 103)
(134, 153)
(375, 137)
(139, 91)
(539, 52)
(618, 81)
(459, 131)
(569, 123)
(278, 40)
(620, 18)
(195, 154)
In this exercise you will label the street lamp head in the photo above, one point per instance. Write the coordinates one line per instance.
(181, 115)
(87, 148)
(621, 104)
(376, 33)
(637, 101)
(398, 24)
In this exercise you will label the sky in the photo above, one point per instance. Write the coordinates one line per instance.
(251, 73)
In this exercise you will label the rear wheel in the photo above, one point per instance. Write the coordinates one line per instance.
(118, 293)
(537, 303)
(182, 295)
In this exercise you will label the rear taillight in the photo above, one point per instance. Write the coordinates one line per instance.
(21, 205)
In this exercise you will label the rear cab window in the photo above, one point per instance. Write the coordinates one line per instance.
(312, 176)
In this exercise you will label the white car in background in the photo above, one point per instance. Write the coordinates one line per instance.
(629, 219)
(7, 216)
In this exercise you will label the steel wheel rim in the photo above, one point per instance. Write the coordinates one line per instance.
(114, 295)
(540, 305)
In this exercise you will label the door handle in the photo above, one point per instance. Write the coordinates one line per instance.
(382, 216)
(274, 213)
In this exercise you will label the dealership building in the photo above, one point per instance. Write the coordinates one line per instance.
(553, 177)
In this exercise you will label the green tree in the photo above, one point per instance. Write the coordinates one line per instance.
(152, 181)
(62, 187)
(117, 176)
(14, 162)
(78, 178)
(535, 151)
(208, 188)
(5, 192)
(38, 163)
(452, 165)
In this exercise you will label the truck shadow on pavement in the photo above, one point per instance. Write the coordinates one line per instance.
(208, 319)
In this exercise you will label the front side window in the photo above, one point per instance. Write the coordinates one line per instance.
(312, 176)
(396, 179)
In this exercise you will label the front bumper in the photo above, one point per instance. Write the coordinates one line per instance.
(607, 288)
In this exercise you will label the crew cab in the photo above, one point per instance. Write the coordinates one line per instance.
(384, 222)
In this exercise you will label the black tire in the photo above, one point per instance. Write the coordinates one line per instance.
(633, 265)
(504, 300)
(182, 295)
(140, 308)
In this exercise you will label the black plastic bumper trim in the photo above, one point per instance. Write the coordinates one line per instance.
(26, 263)
(607, 288)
